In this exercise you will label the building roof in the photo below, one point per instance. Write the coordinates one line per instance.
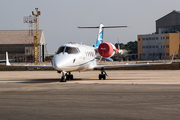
(17, 37)
(173, 12)
(170, 21)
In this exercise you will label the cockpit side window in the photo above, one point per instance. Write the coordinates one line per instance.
(61, 49)
(71, 50)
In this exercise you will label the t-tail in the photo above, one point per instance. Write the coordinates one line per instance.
(100, 34)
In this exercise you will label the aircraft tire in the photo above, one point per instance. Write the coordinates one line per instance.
(63, 79)
(71, 77)
(100, 76)
(104, 77)
(67, 77)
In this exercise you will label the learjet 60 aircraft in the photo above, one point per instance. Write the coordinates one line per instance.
(77, 57)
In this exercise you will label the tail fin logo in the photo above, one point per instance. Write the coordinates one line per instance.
(100, 37)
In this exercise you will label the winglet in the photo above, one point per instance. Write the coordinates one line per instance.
(7, 60)
(173, 57)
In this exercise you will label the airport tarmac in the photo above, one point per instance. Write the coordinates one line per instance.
(126, 94)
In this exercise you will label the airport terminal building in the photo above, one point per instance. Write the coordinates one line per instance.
(19, 45)
(162, 43)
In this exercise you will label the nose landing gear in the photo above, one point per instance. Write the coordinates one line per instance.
(66, 76)
(69, 76)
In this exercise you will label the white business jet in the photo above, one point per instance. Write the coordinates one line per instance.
(76, 57)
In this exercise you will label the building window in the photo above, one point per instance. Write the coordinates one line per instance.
(167, 46)
(149, 38)
(167, 37)
(146, 38)
(139, 39)
(156, 38)
(167, 54)
(149, 46)
(163, 46)
(157, 46)
(146, 46)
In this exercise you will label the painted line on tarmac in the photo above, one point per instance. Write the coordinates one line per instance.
(38, 85)
(87, 93)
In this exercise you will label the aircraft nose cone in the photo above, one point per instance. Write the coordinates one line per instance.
(61, 62)
(57, 62)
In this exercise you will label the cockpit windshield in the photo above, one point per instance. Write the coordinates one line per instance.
(69, 50)
(61, 49)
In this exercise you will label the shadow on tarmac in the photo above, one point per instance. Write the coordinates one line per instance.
(45, 80)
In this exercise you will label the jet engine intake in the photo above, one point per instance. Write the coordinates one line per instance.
(107, 50)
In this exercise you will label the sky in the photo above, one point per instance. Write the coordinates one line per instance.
(59, 19)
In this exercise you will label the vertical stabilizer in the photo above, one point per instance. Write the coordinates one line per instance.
(118, 44)
(100, 36)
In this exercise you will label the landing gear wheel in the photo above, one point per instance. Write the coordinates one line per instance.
(63, 79)
(103, 74)
(100, 76)
(67, 77)
(71, 77)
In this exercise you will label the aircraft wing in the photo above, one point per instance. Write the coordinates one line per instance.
(42, 66)
(2, 60)
(131, 65)
(5, 60)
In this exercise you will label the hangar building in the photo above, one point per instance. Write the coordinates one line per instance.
(162, 43)
(19, 45)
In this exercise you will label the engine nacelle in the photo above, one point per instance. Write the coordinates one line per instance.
(107, 49)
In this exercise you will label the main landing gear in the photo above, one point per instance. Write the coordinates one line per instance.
(103, 74)
(66, 76)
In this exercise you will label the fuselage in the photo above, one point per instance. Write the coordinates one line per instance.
(74, 57)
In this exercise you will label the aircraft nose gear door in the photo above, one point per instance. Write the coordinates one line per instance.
(103, 74)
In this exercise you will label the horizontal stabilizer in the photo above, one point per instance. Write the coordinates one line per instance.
(106, 27)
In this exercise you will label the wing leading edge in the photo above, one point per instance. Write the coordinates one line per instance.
(42, 66)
